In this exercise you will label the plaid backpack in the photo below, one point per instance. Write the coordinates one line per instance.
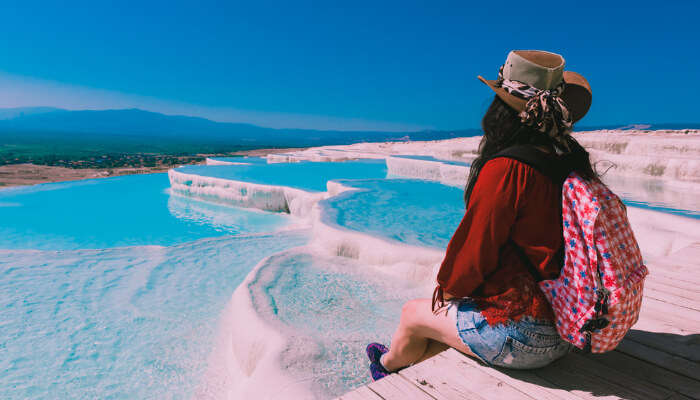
(597, 297)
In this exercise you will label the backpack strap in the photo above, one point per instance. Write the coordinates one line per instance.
(550, 165)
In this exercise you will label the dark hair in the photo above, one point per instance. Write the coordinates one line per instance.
(502, 128)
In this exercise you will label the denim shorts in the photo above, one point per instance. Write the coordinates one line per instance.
(524, 344)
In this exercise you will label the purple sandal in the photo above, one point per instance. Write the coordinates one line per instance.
(374, 353)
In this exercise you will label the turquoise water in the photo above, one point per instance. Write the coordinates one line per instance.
(309, 176)
(430, 158)
(83, 316)
(331, 307)
(123, 211)
(407, 210)
(695, 214)
(123, 323)
(243, 159)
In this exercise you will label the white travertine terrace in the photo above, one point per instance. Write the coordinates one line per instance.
(673, 156)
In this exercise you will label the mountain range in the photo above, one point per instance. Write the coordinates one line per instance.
(151, 131)
(149, 126)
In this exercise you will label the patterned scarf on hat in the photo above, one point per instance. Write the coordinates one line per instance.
(545, 110)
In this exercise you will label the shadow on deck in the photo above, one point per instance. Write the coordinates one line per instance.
(618, 374)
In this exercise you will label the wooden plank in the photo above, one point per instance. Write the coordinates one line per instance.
(649, 372)
(669, 312)
(687, 347)
(653, 323)
(525, 381)
(681, 266)
(670, 335)
(436, 378)
(590, 380)
(675, 271)
(671, 281)
(394, 387)
(680, 279)
(685, 366)
(654, 320)
(675, 288)
(447, 377)
(361, 393)
(674, 264)
(685, 258)
(640, 387)
(451, 375)
(678, 396)
(651, 292)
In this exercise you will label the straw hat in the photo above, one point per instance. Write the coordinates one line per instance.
(542, 70)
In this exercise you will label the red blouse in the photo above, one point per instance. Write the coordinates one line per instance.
(510, 202)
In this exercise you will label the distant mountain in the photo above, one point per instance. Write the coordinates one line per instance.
(9, 113)
(636, 126)
(149, 126)
(661, 126)
(134, 130)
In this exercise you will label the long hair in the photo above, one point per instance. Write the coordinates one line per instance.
(502, 128)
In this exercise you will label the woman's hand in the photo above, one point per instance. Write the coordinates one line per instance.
(445, 305)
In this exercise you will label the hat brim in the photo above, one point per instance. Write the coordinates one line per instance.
(577, 95)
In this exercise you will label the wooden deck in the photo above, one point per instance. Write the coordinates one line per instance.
(659, 358)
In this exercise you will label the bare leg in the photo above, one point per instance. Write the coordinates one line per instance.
(433, 349)
(418, 327)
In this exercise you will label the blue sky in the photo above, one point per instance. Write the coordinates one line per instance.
(343, 65)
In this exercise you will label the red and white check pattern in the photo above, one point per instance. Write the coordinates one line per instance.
(596, 233)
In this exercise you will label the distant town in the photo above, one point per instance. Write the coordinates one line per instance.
(114, 160)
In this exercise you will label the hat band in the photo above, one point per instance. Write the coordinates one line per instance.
(545, 110)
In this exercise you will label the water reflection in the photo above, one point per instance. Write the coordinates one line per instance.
(657, 195)
(222, 218)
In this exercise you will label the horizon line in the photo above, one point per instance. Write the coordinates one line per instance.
(581, 128)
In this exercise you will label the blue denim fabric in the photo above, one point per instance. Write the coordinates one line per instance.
(524, 344)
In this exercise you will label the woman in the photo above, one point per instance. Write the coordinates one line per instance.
(487, 303)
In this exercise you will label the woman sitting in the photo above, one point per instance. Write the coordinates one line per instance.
(487, 303)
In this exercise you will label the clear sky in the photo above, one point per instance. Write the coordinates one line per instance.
(343, 65)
